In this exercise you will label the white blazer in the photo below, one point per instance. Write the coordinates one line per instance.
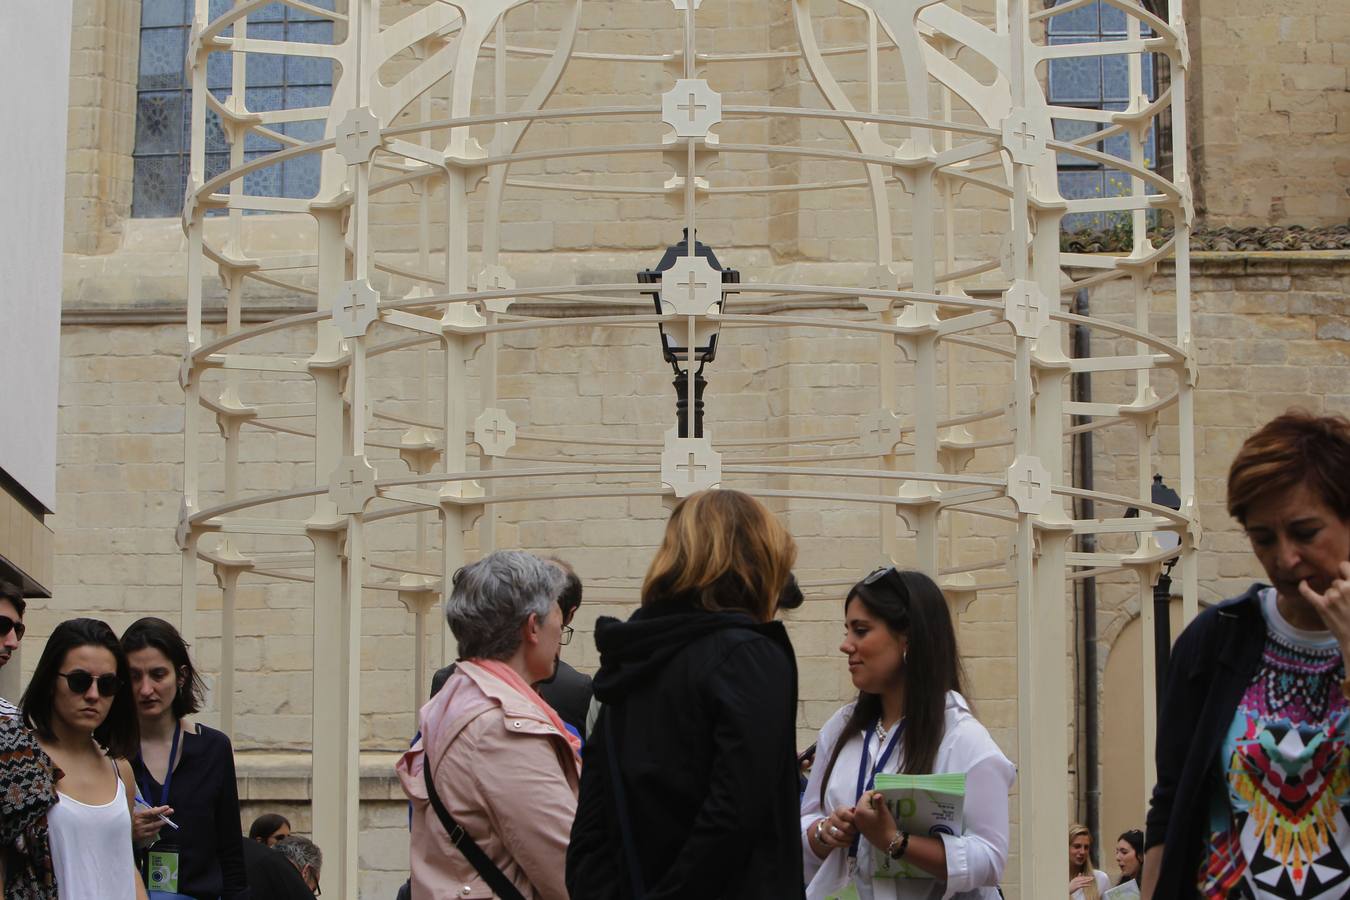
(975, 860)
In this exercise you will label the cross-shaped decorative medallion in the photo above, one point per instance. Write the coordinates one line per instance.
(352, 485)
(494, 431)
(355, 307)
(1025, 308)
(691, 108)
(1024, 143)
(691, 287)
(358, 136)
(1028, 484)
(690, 464)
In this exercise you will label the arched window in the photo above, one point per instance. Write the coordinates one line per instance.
(1094, 82)
(164, 101)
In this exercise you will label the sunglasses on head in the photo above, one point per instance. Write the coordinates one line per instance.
(7, 625)
(79, 681)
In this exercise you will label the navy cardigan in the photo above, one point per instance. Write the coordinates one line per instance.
(205, 800)
(1212, 663)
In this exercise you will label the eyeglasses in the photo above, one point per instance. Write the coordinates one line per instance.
(566, 635)
(80, 680)
(7, 625)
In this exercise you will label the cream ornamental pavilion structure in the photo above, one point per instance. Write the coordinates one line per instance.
(421, 113)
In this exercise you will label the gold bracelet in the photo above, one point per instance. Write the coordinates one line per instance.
(901, 837)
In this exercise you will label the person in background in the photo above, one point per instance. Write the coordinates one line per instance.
(269, 828)
(910, 717)
(1252, 750)
(568, 691)
(185, 772)
(690, 783)
(12, 607)
(27, 792)
(1085, 882)
(273, 875)
(501, 763)
(1130, 855)
(306, 856)
(80, 705)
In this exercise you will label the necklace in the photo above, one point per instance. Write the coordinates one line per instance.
(881, 732)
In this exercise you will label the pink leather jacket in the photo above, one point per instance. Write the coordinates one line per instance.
(506, 775)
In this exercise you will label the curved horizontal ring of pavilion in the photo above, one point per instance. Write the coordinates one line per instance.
(440, 117)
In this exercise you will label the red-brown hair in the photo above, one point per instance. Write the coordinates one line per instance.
(1289, 450)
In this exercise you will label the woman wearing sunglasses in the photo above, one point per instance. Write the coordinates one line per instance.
(910, 717)
(185, 772)
(79, 703)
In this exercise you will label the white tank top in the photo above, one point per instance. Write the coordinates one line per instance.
(91, 848)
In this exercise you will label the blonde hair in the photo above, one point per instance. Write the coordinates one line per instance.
(1090, 892)
(727, 551)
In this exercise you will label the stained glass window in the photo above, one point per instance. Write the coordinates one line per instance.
(272, 82)
(1094, 82)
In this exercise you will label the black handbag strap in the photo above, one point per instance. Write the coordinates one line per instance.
(487, 870)
(625, 824)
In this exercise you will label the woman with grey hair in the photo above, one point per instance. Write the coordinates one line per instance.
(493, 779)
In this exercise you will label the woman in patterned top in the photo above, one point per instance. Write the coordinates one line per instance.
(1253, 784)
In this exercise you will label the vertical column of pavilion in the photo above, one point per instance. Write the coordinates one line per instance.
(187, 376)
(341, 422)
(233, 412)
(1183, 219)
(919, 501)
(1142, 412)
(1042, 707)
(418, 591)
(461, 324)
(690, 288)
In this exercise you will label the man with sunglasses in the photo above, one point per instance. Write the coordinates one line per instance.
(12, 607)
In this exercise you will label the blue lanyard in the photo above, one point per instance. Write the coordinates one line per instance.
(866, 779)
(168, 776)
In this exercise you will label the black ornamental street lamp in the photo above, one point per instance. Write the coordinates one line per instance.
(1162, 495)
(674, 341)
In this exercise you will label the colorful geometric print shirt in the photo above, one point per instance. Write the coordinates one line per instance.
(1278, 825)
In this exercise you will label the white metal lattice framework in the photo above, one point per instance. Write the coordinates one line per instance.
(973, 119)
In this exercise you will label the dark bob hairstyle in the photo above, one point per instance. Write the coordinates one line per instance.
(910, 603)
(160, 635)
(119, 734)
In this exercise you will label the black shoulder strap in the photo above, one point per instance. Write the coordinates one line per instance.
(625, 824)
(487, 870)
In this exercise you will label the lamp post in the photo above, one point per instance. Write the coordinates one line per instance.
(673, 341)
(1162, 495)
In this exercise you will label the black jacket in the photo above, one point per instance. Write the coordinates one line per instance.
(271, 876)
(1211, 666)
(703, 707)
(569, 693)
(204, 795)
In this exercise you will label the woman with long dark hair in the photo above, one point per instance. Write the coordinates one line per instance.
(79, 703)
(690, 784)
(184, 771)
(910, 717)
(1130, 856)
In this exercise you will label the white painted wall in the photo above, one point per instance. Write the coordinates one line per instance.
(34, 86)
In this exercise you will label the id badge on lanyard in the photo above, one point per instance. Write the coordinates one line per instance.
(867, 777)
(162, 865)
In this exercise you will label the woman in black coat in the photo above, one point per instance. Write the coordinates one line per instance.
(689, 782)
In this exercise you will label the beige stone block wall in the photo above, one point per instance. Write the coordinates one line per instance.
(1270, 112)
